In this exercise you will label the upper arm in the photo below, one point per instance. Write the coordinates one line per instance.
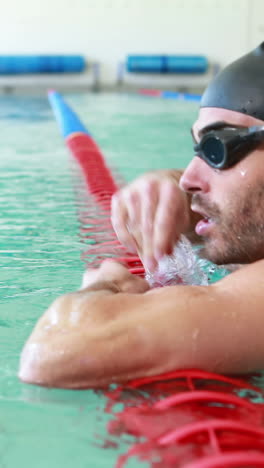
(245, 286)
(122, 336)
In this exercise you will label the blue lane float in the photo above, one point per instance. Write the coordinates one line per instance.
(25, 64)
(67, 119)
(189, 64)
(169, 95)
(180, 96)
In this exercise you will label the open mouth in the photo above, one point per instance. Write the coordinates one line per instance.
(205, 223)
(202, 227)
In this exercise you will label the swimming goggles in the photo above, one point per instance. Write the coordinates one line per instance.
(224, 148)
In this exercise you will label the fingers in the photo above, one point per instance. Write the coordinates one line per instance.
(167, 226)
(133, 213)
(112, 269)
(150, 196)
(135, 285)
(149, 215)
(127, 282)
(113, 272)
(89, 277)
(133, 200)
(119, 218)
(109, 270)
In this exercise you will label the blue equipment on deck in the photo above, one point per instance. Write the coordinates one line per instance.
(167, 64)
(25, 64)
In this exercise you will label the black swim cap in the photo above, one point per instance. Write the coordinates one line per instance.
(239, 86)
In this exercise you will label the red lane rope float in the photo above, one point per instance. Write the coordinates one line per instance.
(202, 396)
(232, 460)
(190, 430)
(192, 425)
(189, 375)
(100, 185)
(100, 182)
(150, 92)
(188, 418)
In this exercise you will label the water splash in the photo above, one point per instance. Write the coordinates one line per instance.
(182, 267)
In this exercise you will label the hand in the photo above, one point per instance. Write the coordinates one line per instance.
(150, 214)
(113, 273)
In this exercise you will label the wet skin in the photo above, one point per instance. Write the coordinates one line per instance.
(115, 329)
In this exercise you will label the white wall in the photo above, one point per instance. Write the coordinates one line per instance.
(107, 30)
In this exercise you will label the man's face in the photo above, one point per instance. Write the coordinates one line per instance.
(230, 201)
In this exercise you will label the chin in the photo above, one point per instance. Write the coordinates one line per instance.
(216, 253)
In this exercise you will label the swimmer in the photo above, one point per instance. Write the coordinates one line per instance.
(115, 328)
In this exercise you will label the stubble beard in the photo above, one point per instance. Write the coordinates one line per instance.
(239, 236)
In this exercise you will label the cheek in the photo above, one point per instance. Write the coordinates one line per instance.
(222, 190)
(243, 173)
(249, 172)
(232, 184)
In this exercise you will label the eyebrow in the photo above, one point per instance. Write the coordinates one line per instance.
(215, 126)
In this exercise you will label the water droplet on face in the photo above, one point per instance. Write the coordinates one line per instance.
(195, 333)
(243, 173)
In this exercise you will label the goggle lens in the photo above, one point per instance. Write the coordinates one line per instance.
(213, 151)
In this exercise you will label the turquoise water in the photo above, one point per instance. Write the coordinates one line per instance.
(40, 257)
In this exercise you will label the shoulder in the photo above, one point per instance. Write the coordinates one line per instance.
(246, 281)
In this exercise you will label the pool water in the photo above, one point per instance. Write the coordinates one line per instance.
(40, 257)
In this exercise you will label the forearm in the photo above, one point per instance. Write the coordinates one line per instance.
(94, 337)
(115, 337)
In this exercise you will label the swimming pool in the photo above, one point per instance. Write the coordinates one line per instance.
(40, 257)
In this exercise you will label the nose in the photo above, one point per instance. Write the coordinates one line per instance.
(196, 177)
